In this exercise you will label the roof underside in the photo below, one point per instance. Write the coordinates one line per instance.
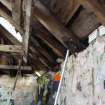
(55, 25)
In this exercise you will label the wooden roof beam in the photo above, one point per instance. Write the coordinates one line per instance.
(9, 18)
(16, 42)
(96, 6)
(27, 24)
(38, 57)
(15, 67)
(43, 15)
(11, 49)
(43, 51)
(16, 11)
(76, 7)
(6, 4)
(9, 36)
(51, 41)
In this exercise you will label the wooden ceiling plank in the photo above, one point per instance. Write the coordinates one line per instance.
(43, 51)
(96, 6)
(54, 26)
(66, 7)
(73, 12)
(88, 22)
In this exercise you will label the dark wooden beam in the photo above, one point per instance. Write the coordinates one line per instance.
(66, 7)
(7, 4)
(75, 8)
(49, 40)
(43, 15)
(38, 59)
(88, 22)
(42, 50)
(96, 6)
(15, 67)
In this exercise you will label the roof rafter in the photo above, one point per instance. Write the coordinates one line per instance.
(32, 56)
(51, 41)
(11, 49)
(43, 15)
(96, 6)
(15, 67)
(16, 11)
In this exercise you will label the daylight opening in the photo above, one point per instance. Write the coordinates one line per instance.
(10, 28)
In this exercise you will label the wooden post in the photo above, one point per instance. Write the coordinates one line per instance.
(28, 7)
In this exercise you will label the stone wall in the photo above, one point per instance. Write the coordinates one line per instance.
(84, 79)
(25, 92)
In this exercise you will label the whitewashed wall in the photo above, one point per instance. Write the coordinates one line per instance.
(25, 92)
(83, 83)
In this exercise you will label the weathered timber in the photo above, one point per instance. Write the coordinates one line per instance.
(11, 49)
(48, 39)
(44, 16)
(96, 6)
(9, 18)
(66, 7)
(16, 11)
(15, 67)
(28, 7)
(88, 22)
(7, 4)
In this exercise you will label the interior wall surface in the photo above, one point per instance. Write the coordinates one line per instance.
(84, 77)
(24, 93)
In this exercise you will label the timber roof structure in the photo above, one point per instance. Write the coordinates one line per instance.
(48, 28)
